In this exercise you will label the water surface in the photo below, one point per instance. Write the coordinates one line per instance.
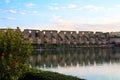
(87, 63)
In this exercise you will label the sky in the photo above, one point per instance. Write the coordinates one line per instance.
(74, 15)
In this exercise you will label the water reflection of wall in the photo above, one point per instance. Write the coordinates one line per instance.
(74, 57)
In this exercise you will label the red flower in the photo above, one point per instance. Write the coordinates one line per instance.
(15, 63)
(3, 54)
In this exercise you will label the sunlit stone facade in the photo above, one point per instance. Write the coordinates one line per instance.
(70, 37)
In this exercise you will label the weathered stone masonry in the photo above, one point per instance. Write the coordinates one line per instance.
(70, 37)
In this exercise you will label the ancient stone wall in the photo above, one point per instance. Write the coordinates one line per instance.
(69, 37)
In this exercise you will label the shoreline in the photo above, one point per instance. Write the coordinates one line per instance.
(47, 75)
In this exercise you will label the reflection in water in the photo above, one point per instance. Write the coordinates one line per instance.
(81, 57)
(87, 63)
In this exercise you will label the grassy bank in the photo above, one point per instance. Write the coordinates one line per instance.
(46, 75)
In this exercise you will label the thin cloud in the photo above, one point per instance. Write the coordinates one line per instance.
(61, 24)
(54, 3)
(92, 7)
(92, 25)
(8, 11)
(7, 1)
(22, 12)
(30, 5)
(35, 13)
(70, 6)
(11, 11)
(118, 6)
(8, 18)
(55, 19)
(73, 6)
(53, 7)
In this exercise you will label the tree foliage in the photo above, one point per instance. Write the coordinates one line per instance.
(14, 52)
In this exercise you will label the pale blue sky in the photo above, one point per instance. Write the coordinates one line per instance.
(96, 15)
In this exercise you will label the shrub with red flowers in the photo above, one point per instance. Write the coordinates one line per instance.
(14, 52)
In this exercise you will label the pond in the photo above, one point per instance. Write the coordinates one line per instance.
(87, 63)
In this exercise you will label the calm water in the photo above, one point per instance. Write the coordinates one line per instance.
(90, 64)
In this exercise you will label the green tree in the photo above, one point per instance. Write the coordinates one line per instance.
(14, 53)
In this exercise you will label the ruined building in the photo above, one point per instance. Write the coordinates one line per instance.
(71, 37)
(88, 38)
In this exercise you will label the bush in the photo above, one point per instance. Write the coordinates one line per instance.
(46, 75)
(14, 52)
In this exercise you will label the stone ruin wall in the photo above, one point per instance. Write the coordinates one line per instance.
(69, 37)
